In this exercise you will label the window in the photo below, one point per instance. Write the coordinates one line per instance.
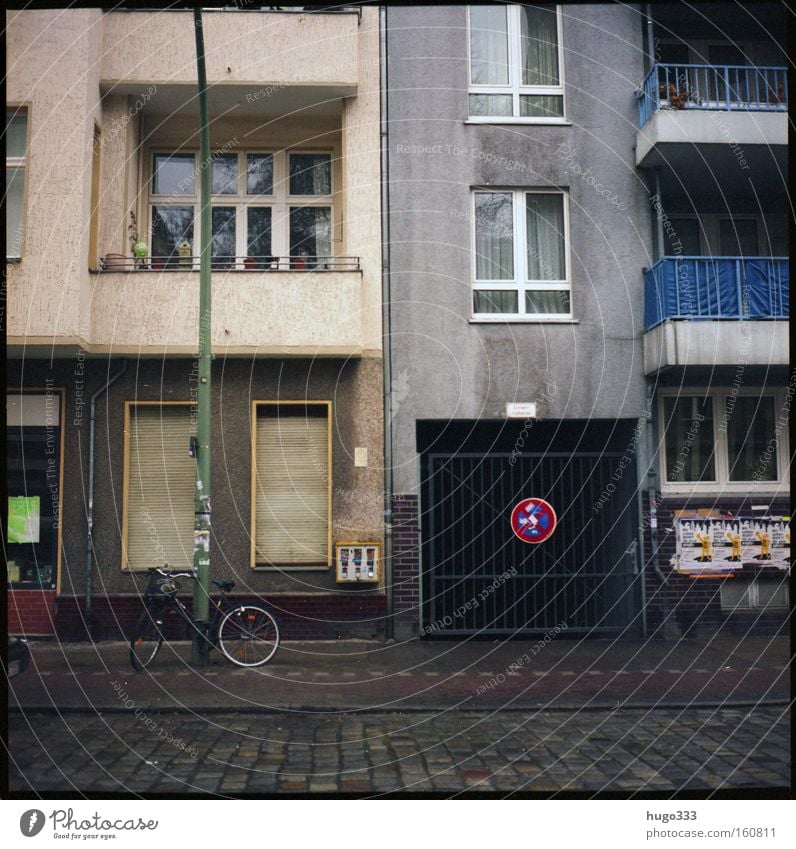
(264, 205)
(16, 156)
(687, 230)
(516, 63)
(759, 594)
(291, 489)
(160, 486)
(34, 452)
(738, 237)
(521, 266)
(93, 226)
(737, 440)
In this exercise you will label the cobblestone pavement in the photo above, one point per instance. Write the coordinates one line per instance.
(229, 754)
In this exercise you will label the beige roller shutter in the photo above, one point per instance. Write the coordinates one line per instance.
(291, 488)
(161, 486)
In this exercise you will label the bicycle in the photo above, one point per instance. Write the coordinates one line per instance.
(247, 634)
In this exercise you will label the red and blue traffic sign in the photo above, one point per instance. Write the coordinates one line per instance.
(533, 520)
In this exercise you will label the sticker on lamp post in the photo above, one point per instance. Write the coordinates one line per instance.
(533, 520)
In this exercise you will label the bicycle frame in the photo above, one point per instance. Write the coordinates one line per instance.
(211, 637)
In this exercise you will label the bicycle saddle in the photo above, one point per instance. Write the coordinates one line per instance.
(224, 586)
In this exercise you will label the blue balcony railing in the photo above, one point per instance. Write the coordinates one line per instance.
(718, 87)
(724, 287)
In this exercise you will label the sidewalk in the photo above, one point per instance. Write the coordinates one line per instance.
(370, 676)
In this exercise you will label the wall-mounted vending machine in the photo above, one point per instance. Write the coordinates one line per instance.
(358, 562)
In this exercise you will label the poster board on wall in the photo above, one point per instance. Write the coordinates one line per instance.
(720, 546)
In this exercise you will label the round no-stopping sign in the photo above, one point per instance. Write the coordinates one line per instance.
(533, 520)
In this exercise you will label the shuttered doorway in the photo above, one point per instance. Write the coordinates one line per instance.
(292, 484)
(161, 484)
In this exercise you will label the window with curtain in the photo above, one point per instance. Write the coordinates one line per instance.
(521, 268)
(751, 438)
(292, 485)
(690, 454)
(264, 206)
(515, 63)
(736, 440)
(16, 157)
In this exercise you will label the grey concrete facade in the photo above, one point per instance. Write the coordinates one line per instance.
(446, 366)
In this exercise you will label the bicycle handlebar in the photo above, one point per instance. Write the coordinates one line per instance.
(167, 574)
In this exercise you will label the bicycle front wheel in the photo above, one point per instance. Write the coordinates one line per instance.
(146, 641)
(248, 635)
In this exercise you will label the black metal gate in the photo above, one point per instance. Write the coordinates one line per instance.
(480, 578)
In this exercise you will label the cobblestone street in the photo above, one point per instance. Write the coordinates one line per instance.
(229, 753)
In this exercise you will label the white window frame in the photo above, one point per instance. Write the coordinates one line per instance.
(280, 201)
(722, 483)
(520, 284)
(515, 87)
(20, 163)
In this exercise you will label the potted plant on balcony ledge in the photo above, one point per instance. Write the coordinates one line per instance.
(676, 96)
(139, 248)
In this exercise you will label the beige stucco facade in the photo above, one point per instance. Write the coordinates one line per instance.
(278, 81)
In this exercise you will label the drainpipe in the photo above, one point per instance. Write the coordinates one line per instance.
(650, 37)
(659, 213)
(389, 623)
(651, 487)
(92, 424)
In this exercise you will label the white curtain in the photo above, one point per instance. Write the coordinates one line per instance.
(489, 52)
(545, 236)
(539, 42)
(494, 236)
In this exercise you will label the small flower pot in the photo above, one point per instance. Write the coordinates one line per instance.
(249, 263)
(115, 262)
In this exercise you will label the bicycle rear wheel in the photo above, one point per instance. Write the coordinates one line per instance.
(146, 641)
(248, 635)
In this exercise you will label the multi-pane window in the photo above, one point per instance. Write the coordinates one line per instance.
(264, 206)
(723, 437)
(521, 265)
(516, 63)
(16, 147)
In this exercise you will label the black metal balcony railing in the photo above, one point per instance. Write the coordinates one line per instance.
(725, 287)
(113, 263)
(726, 88)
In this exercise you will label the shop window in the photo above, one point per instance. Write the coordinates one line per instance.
(34, 488)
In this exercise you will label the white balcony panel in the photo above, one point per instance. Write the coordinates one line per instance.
(715, 343)
(739, 130)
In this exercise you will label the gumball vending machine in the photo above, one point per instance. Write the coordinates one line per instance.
(358, 562)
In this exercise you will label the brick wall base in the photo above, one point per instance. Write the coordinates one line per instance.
(300, 617)
(30, 613)
(406, 566)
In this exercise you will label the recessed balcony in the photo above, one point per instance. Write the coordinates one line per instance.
(710, 311)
